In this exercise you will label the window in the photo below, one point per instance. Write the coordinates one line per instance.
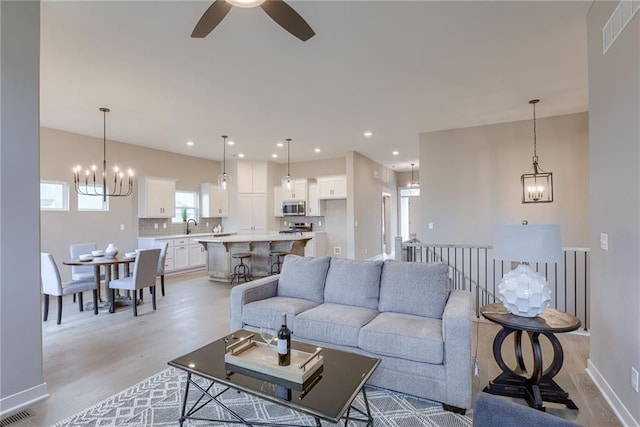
(54, 196)
(186, 200)
(92, 203)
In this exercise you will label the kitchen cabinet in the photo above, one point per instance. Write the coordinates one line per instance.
(252, 177)
(197, 255)
(180, 254)
(214, 203)
(332, 187)
(314, 206)
(277, 201)
(298, 191)
(156, 197)
(252, 213)
(168, 261)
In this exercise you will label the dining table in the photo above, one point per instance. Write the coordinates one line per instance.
(111, 269)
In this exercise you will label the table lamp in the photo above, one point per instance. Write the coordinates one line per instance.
(523, 291)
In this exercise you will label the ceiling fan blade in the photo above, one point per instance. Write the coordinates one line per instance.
(211, 18)
(288, 19)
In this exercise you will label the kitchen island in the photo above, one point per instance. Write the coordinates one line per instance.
(219, 251)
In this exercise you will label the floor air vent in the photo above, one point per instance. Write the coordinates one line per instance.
(12, 419)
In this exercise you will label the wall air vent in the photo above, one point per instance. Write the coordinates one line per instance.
(618, 20)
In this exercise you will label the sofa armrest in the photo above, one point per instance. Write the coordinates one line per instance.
(456, 331)
(255, 290)
(493, 411)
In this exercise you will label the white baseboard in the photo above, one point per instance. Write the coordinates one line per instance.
(16, 402)
(610, 396)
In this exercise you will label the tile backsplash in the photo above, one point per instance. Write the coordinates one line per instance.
(147, 227)
(317, 221)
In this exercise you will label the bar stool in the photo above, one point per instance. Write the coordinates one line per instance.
(241, 269)
(275, 266)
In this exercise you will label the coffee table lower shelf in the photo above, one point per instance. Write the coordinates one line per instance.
(206, 397)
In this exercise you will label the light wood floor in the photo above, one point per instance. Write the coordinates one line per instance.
(89, 358)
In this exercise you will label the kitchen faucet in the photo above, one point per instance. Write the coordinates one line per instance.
(194, 223)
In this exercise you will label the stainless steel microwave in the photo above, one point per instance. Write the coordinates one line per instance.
(294, 208)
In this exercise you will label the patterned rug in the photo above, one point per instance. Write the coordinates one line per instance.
(156, 401)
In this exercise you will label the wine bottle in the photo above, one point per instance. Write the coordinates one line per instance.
(284, 343)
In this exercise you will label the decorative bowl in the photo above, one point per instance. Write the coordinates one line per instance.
(130, 254)
(97, 253)
(85, 257)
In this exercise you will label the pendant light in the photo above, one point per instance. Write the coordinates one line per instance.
(287, 180)
(537, 187)
(224, 179)
(89, 187)
(413, 183)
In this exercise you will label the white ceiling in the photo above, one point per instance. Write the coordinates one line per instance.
(396, 68)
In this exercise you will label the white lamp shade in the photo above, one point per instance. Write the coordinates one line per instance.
(527, 243)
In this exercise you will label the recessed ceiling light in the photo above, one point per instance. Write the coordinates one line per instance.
(274, 155)
(317, 150)
(241, 155)
(395, 153)
(230, 142)
(279, 145)
(191, 143)
(368, 134)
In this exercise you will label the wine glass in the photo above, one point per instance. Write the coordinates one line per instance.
(267, 334)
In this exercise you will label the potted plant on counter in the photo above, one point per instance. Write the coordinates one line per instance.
(184, 214)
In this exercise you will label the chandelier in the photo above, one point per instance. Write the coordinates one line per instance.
(413, 183)
(287, 180)
(537, 187)
(121, 186)
(224, 179)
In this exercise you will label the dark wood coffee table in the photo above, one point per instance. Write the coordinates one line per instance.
(328, 396)
(540, 386)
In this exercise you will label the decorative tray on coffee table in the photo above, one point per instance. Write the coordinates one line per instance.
(257, 359)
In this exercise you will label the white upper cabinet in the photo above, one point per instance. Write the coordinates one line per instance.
(252, 213)
(298, 191)
(156, 197)
(332, 187)
(252, 177)
(214, 203)
(277, 201)
(314, 207)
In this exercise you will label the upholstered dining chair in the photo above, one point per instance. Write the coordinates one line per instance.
(163, 246)
(52, 285)
(143, 276)
(81, 272)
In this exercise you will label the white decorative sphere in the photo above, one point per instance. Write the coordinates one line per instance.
(524, 292)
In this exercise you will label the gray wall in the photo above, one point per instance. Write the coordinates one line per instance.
(21, 379)
(614, 137)
(61, 150)
(470, 179)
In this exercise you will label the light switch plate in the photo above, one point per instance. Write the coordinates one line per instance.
(604, 241)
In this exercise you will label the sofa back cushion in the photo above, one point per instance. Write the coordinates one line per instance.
(414, 288)
(355, 283)
(303, 277)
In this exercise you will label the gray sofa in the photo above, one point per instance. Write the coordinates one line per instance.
(402, 313)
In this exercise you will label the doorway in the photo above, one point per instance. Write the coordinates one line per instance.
(410, 213)
(386, 223)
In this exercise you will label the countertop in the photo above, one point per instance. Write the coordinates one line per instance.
(178, 236)
(256, 238)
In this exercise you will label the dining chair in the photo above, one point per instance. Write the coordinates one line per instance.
(143, 276)
(52, 285)
(163, 246)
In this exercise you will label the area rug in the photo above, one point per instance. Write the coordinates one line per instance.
(156, 401)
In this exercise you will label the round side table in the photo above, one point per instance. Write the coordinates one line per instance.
(540, 386)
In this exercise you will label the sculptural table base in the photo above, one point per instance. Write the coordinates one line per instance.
(540, 387)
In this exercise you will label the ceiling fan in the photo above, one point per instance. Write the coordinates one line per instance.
(278, 10)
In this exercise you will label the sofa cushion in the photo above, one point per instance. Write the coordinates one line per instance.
(354, 283)
(414, 288)
(303, 277)
(333, 323)
(270, 310)
(404, 336)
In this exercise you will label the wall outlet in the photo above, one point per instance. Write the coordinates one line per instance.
(164, 225)
(366, 251)
(634, 379)
(337, 250)
(155, 225)
(430, 226)
(206, 224)
(356, 224)
(122, 227)
(319, 223)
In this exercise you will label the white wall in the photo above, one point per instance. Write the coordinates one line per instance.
(614, 137)
(470, 179)
(21, 375)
